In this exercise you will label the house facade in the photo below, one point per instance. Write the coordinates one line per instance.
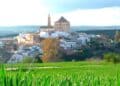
(28, 39)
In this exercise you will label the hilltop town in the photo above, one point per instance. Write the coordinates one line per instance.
(29, 44)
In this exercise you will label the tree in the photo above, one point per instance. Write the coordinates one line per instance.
(50, 47)
(112, 57)
(28, 59)
(117, 36)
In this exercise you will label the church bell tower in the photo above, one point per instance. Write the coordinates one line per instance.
(49, 21)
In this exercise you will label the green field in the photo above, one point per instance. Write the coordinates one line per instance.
(61, 74)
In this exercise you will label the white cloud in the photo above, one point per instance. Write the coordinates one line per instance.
(97, 17)
(34, 12)
(22, 12)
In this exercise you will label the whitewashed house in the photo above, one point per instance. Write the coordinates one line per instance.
(68, 44)
(57, 34)
(44, 34)
(25, 52)
(83, 38)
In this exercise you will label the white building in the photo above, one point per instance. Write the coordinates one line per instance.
(28, 38)
(67, 44)
(83, 38)
(25, 52)
(44, 34)
(57, 34)
(1, 44)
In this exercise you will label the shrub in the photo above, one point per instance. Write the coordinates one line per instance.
(112, 57)
(28, 59)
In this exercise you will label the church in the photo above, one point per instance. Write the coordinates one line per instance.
(62, 25)
(49, 27)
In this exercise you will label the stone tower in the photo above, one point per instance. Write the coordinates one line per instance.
(49, 21)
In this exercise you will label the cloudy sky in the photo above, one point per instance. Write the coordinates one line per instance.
(78, 12)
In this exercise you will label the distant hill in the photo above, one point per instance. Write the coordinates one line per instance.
(8, 35)
(85, 28)
(109, 33)
(105, 30)
(15, 30)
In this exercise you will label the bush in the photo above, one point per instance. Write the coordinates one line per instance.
(112, 57)
(32, 60)
(27, 60)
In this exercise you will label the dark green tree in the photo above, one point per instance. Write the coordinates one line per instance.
(112, 57)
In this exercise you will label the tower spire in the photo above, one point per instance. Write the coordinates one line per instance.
(49, 20)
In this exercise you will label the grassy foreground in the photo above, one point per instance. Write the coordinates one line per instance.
(61, 74)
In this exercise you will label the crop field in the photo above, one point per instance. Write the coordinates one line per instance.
(60, 74)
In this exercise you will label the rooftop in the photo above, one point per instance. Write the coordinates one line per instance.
(46, 27)
(62, 19)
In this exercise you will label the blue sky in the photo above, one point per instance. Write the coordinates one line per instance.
(78, 12)
(68, 5)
